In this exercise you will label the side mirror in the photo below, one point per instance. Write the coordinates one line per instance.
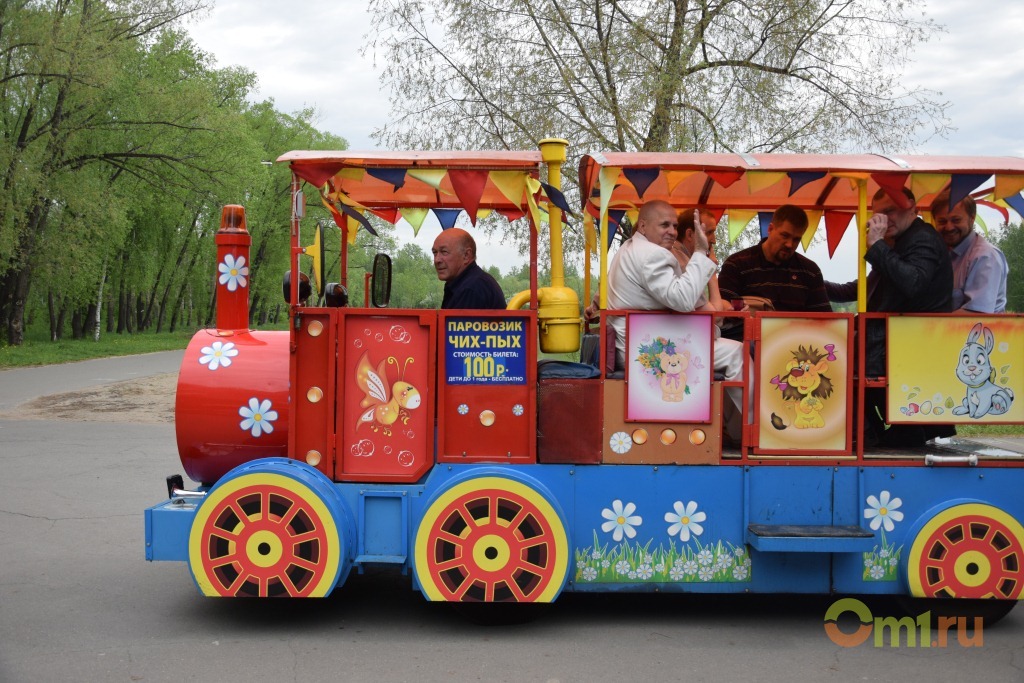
(381, 292)
(304, 288)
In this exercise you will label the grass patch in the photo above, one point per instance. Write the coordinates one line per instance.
(989, 430)
(41, 352)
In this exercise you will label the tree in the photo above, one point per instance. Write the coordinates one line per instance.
(1012, 246)
(668, 75)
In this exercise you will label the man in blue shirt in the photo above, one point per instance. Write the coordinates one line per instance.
(466, 285)
(979, 268)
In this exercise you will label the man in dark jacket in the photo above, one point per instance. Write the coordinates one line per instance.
(466, 285)
(910, 273)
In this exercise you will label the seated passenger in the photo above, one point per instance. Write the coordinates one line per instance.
(979, 268)
(466, 285)
(682, 248)
(910, 273)
(773, 270)
(645, 275)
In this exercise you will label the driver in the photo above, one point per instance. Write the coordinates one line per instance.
(466, 285)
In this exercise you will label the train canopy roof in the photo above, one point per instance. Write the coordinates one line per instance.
(408, 184)
(825, 185)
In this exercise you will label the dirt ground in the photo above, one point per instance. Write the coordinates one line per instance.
(148, 400)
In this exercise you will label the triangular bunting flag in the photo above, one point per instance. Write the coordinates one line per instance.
(1008, 185)
(738, 221)
(512, 184)
(512, 214)
(392, 176)
(358, 216)
(608, 177)
(716, 214)
(447, 217)
(557, 198)
(798, 179)
(764, 218)
(1016, 203)
(483, 213)
(589, 235)
(893, 184)
(633, 215)
(390, 215)
(836, 223)
(353, 229)
(924, 184)
(962, 184)
(430, 176)
(673, 178)
(414, 217)
(761, 180)
(813, 218)
(641, 178)
(469, 187)
(614, 218)
(725, 178)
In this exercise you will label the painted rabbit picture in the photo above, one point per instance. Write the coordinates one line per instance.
(975, 370)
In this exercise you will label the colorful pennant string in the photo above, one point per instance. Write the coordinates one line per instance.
(430, 176)
(469, 187)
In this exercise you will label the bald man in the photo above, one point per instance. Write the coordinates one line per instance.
(645, 275)
(466, 285)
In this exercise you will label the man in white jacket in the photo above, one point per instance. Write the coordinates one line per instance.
(645, 275)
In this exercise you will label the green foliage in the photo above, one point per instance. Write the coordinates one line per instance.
(120, 145)
(1012, 246)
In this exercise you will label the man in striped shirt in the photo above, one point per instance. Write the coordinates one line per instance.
(774, 271)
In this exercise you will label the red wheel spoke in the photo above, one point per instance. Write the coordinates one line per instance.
(302, 562)
(290, 513)
(313, 535)
(237, 584)
(450, 537)
(518, 519)
(243, 521)
(445, 565)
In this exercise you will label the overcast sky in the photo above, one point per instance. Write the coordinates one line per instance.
(311, 58)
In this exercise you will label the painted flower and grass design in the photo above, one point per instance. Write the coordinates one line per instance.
(622, 560)
(883, 562)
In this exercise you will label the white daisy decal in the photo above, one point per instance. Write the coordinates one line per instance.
(705, 573)
(676, 573)
(259, 417)
(876, 572)
(589, 573)
(882, 511)
(621, 520)
(704, 557)
(685, 520)
(218, 354)
(690, 567)
(233, 272)
(517, 410)
(621, 567)
(645, 572)
(620, 442)
(463, 409)
(740, 572)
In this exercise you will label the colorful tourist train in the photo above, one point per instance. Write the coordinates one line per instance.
(461, 448)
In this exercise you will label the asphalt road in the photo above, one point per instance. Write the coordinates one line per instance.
(78, 602)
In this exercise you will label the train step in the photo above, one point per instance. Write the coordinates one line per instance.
(791, 538)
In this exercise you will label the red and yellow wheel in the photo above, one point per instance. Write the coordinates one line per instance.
(266, 533)
(491, 539)
(968, 551)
